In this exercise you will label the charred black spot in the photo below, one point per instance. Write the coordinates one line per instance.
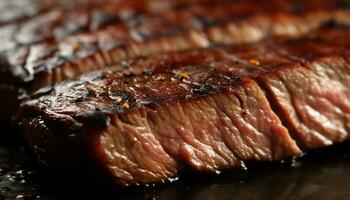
(128, 97)
(343, 3)
(233, 78)
(100, 19)
(130, 75)
(129, 78)
(126, 63)
(123, 96)
(43, 91)
(335, 24)
(300, 41)
(147, 73)
(151, 100)
(297, 8)
(95, 119)
(173, 30)
(90, 92)
(31, 108)
(206, 21)
(203, 89)
(79, 100)
(99, 77)
(213, 69)
(317, 39)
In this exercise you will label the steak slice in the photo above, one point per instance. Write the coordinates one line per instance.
(145, 126)
(33, 66)
(145, 120)
(313, 101)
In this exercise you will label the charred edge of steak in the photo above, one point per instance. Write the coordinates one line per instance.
(335, 24)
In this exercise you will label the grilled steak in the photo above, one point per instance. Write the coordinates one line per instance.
(175, 27)
(146, 119)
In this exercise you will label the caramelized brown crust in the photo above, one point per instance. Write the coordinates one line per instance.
(178, 77)
(53, 39)
(205, 109)
(107, 36)
(34, 49)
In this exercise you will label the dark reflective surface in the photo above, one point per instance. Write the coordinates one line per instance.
(322, 174)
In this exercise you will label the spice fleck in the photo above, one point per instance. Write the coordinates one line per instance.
(126, 105)
(254, 61)
(184, 75)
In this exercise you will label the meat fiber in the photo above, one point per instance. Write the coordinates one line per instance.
(144, 30)
(212, 109)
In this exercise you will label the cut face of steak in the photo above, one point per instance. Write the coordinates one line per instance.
(210, 109)
(144, 30)
(313, 100)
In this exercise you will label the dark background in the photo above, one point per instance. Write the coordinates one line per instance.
(320, 174)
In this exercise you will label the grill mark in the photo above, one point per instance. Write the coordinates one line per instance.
(117, 59)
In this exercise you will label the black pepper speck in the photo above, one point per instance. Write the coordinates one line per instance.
(202, 90)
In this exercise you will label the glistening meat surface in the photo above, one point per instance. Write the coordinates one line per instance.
(145, 120)
(145, 30)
